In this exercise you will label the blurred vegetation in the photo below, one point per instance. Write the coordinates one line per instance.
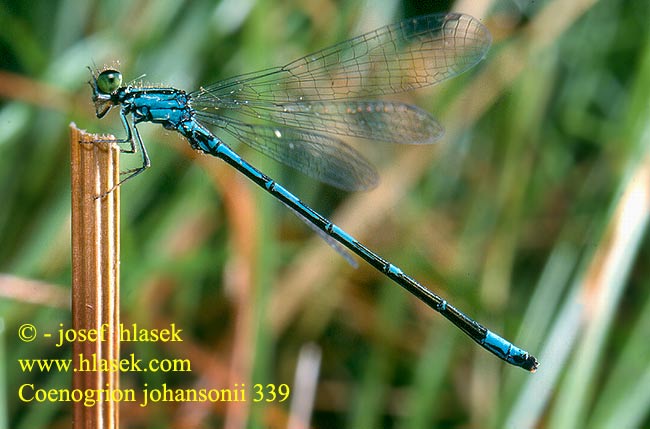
(530, 215)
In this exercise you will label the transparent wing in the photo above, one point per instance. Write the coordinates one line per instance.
(309, 98)
(338, 247)
(414, 53)
(373, 120)
(320, 156)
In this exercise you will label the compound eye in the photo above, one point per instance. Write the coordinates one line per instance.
(108, 81)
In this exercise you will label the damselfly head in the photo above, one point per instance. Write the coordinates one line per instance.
(108, 81)
(104, 84)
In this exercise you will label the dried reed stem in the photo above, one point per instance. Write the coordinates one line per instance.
(95, 272)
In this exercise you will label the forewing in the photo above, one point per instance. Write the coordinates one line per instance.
(414, 53)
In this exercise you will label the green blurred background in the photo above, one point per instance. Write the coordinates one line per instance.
(530, 215)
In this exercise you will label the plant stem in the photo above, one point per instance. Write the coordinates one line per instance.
(95, 275)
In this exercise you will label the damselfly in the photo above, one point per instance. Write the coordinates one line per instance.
(304, 105)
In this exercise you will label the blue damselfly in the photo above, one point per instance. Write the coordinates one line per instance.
(304, 105)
